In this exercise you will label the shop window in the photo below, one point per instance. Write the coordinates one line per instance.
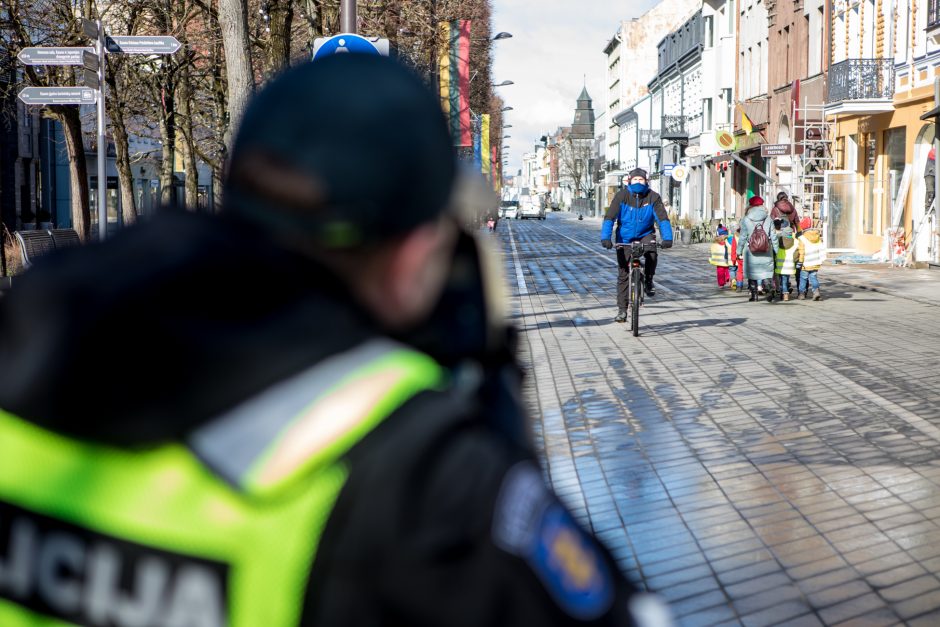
(895, 149)
(871, 184)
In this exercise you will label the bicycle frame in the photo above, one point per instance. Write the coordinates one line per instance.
(635, 288)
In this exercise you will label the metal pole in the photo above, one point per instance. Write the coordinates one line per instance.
(347, 16)
(102, 145)
(936, 178)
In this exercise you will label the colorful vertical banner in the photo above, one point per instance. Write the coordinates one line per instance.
(477, 142)
(443, 68)
(453, 50)
(463, 81)
(494, 170)
(454, 72)
(485, 148)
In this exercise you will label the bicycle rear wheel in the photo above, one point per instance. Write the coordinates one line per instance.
(636, 298)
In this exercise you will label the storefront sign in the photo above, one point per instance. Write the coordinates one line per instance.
(774, 150)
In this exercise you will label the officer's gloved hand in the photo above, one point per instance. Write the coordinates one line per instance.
(667, 243)
(607, 244)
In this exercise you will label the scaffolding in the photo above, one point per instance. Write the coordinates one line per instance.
(813, 136)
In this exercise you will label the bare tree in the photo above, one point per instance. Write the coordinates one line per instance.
(574, 161)
(233, 22)
(53, 23)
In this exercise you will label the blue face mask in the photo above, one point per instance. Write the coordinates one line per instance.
(638, 188)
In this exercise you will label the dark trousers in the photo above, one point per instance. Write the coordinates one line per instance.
(623, 272)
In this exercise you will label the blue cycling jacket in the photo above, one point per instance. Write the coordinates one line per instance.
(636, 214)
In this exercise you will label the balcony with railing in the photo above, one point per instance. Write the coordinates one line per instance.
(650, 139)
(675, 127)
(861, 86)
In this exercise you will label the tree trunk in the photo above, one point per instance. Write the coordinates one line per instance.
(233, 20)
(78, 168)
(168, 141)
(281, 19)
(188, 146)
(122, 150)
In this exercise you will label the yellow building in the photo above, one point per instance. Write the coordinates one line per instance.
(880, 83)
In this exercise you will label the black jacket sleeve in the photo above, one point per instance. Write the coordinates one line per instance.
(613, 212)
(458, 531)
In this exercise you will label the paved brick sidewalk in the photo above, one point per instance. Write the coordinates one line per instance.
(754, 463)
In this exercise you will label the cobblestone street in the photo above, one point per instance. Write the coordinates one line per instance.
(756, 464)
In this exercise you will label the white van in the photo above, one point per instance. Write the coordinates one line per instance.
(531, 208)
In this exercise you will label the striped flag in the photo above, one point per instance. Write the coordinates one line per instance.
(494, 170)
(485, 144)
(454, 68)
(477, 142)
(443, 69)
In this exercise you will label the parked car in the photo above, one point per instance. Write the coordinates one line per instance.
(509, 209)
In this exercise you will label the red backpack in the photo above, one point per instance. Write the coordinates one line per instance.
(758, 242)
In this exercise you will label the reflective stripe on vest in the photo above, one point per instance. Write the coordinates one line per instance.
(786, 260)
(221, 533)
(720, 254)
(812, 253)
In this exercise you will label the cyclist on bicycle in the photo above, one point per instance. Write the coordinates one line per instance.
(635, 209)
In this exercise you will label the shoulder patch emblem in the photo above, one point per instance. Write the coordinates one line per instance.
(531, 524)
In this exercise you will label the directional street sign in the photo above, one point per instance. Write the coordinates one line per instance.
(132, 44)
(90, 28)
(89, 78)
(348, 42)
(90, 60)
(54, 56)
(57, 95)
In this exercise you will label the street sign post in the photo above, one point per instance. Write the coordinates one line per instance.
(349, 43)
(90, 60)
(132, 44)
(53, 56)
(57, 96)
(90, 28)
(91, 76)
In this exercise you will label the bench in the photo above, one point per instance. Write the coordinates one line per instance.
(35, 244)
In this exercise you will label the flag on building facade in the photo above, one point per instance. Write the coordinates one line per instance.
(485, 144)
(454, 72)
(746, 122)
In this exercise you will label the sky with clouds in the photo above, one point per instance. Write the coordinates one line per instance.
(555, 44)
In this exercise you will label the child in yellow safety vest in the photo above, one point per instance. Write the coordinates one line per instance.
(785, 267)
(720, 256)
(811, 253)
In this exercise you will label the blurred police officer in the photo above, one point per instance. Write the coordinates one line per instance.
(301, 412)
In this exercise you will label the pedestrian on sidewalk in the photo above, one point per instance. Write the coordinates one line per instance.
(758, 245)
(720, 256)
(737, 261)
(784, 209)
(632, 217)
(341, 446)
(810, 253)
(785, 269)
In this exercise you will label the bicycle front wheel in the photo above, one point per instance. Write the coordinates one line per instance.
(636, 298)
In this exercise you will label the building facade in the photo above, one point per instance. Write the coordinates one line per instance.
(676, 96)
(881, 81)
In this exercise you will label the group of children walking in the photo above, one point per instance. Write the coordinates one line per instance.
(791, 249)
